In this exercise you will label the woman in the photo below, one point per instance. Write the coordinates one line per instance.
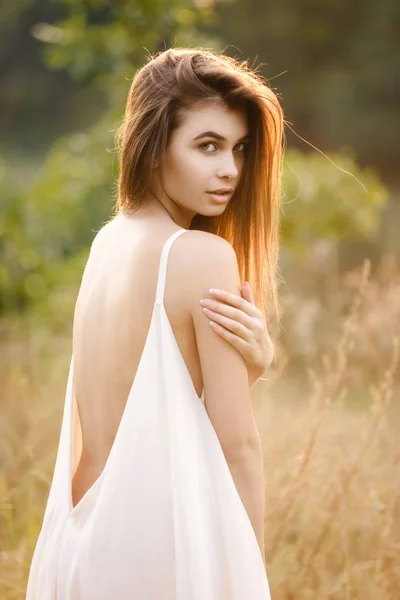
(158, 488)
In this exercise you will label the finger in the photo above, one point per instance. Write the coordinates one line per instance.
(236, 314)
(244, 290)
(236, 301)
(237, 328)
(236, 341)
(250, 296)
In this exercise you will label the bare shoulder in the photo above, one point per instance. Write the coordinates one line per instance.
(97, 239)
(207, 260)
(208, 244)
(106, 234)
(105, 229)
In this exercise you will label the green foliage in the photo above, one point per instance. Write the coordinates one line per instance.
(335, 64)
(328, 197)
(101, 41)
(16, 257)
(47, 225)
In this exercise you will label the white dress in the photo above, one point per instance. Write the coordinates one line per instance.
(164, 520)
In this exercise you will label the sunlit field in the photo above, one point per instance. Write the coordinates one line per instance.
(328, 416)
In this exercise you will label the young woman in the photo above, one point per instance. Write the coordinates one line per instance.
(158, 490)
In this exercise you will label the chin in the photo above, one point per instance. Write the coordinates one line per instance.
(211, 210)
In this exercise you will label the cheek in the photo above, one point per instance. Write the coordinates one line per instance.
(186, 171)
(240, 160)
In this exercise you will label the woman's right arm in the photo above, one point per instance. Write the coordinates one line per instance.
(225, 378)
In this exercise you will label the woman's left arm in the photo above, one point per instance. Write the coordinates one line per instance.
(241, 323)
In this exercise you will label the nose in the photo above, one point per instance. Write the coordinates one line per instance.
(227, 166)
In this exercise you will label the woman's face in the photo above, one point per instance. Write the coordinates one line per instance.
(204, 154)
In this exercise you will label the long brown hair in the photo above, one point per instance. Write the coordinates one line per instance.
(176, 80)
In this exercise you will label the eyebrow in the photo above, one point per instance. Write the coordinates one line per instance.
(218, 136)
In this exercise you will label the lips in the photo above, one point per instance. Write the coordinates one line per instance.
(220, 198)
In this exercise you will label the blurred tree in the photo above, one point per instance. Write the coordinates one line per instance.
(102, 43)
(336, 64)
(36, 105)
(327, 202)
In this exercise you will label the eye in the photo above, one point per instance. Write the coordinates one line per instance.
(205, 144)
(202, 146)
(245, 145)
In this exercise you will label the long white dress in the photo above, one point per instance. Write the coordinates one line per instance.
(164, 520)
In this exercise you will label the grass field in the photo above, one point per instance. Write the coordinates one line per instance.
(330, 437)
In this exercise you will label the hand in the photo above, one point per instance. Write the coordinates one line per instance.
(241, 323)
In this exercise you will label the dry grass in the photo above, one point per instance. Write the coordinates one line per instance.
(332, 457)
(332, 474)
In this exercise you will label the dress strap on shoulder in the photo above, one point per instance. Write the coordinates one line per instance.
(162, 270)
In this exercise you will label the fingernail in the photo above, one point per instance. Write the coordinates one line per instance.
(213, 291)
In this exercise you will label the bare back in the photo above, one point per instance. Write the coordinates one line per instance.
(111, 321)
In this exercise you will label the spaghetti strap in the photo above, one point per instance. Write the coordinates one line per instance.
(164, 519)
(162, 271)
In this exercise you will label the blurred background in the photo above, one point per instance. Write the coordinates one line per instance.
(328, 409)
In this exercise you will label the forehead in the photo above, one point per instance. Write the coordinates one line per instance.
(215, 116)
